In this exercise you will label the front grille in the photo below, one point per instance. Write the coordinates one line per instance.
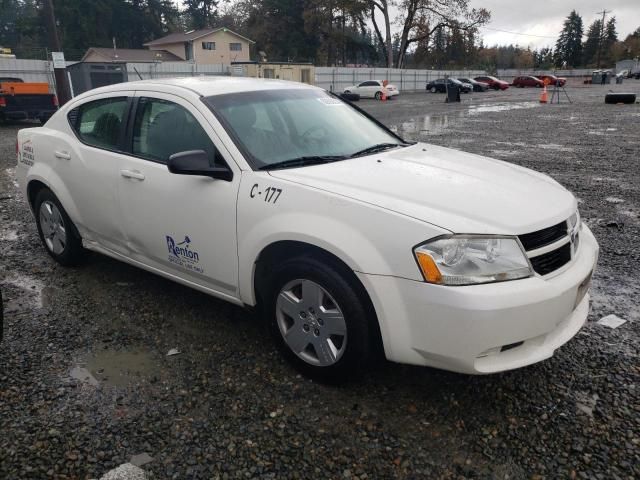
(544, 237)
(553, 260)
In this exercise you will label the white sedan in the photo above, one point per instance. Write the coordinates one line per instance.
(351, 241)
(373, 89)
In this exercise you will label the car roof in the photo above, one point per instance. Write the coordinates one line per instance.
(208, 85)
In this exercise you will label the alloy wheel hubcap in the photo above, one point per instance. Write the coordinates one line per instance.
(53, 228)
(311, 323)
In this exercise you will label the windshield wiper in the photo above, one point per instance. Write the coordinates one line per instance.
(379, 147)
(303, 161)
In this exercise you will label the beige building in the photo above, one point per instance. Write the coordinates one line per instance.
(206, 46)
(296, 72)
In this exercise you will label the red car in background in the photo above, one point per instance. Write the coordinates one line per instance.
(552, 79)
(493, 82)
(527, 81)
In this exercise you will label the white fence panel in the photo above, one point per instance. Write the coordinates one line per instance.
(145, 71)
(510, 74)
(336, 79)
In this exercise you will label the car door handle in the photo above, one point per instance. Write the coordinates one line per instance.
(132, 174)
(62, 155)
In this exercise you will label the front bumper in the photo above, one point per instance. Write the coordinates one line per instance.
(466, 329)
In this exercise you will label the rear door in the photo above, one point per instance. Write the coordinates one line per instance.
(88, 164)
(184, 225)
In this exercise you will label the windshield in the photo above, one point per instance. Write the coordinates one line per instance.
(276, 128)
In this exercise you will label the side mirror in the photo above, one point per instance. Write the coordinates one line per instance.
(196, 162)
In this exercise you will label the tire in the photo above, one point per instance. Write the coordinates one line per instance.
(311, 347)
(56, 230)
(378, 95)
(613, 98)
(434, 89)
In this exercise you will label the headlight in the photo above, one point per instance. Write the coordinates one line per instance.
(574, 225)
(468, 260)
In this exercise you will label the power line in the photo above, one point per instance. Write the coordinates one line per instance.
(518, 33)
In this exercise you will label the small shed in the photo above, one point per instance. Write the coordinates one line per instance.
(295, 72)
(88, 75)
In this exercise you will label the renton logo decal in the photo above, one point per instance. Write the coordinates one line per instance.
(181, 254)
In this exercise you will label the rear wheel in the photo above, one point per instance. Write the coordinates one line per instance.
(318, 319)
(56, 230)
(434, 89)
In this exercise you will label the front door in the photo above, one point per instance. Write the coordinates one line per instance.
(182, 224)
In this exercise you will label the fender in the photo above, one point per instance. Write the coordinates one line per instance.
(47, 175)
(326, 233)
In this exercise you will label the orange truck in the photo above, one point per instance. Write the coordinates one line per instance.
(20, 100)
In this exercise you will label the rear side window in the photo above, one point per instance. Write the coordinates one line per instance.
(162, 128)
(99, 123)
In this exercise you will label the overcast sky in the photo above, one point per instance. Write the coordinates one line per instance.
(545, 18)
(541, 20)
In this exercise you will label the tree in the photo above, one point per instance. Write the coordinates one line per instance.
(631, 44)
(591, 45)
(421, 18)
(200, 13)
(569, 44)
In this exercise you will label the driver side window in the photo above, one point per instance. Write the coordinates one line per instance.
(162, 128)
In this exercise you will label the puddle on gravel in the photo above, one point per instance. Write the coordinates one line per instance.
(438, 123)
(614, 200)
(555, 147)
(117, 368)
(8, 235)
(32, 287)
(428, 124)
(504, 153)
(11, 173)
(500, 107)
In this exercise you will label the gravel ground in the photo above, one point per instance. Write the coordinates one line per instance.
(85, 383)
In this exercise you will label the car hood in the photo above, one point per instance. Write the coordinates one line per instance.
(458, 191)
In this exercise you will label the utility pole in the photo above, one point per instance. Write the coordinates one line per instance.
(601, 38)
(62, 82)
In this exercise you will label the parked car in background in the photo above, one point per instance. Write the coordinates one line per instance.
(466, 84)
(26, 101)
(373, 89)
(440, 85)
(477, 86)
(527, 81)
(493, 82)
(552, 79)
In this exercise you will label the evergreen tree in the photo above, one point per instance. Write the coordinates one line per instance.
(569, 44)
(200, 13)
(590, 47)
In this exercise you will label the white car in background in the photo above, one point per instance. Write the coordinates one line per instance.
(351, 241)
(373, 89)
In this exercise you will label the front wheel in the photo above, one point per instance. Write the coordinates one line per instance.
(319, 319)
(434, 89)
(56, 230)
(378, 95)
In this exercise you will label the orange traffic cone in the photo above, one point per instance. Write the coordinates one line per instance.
(384, 96)
(543, 95)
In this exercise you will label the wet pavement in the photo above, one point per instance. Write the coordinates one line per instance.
(86, 383)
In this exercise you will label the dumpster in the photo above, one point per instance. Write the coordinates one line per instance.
(453, 93)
